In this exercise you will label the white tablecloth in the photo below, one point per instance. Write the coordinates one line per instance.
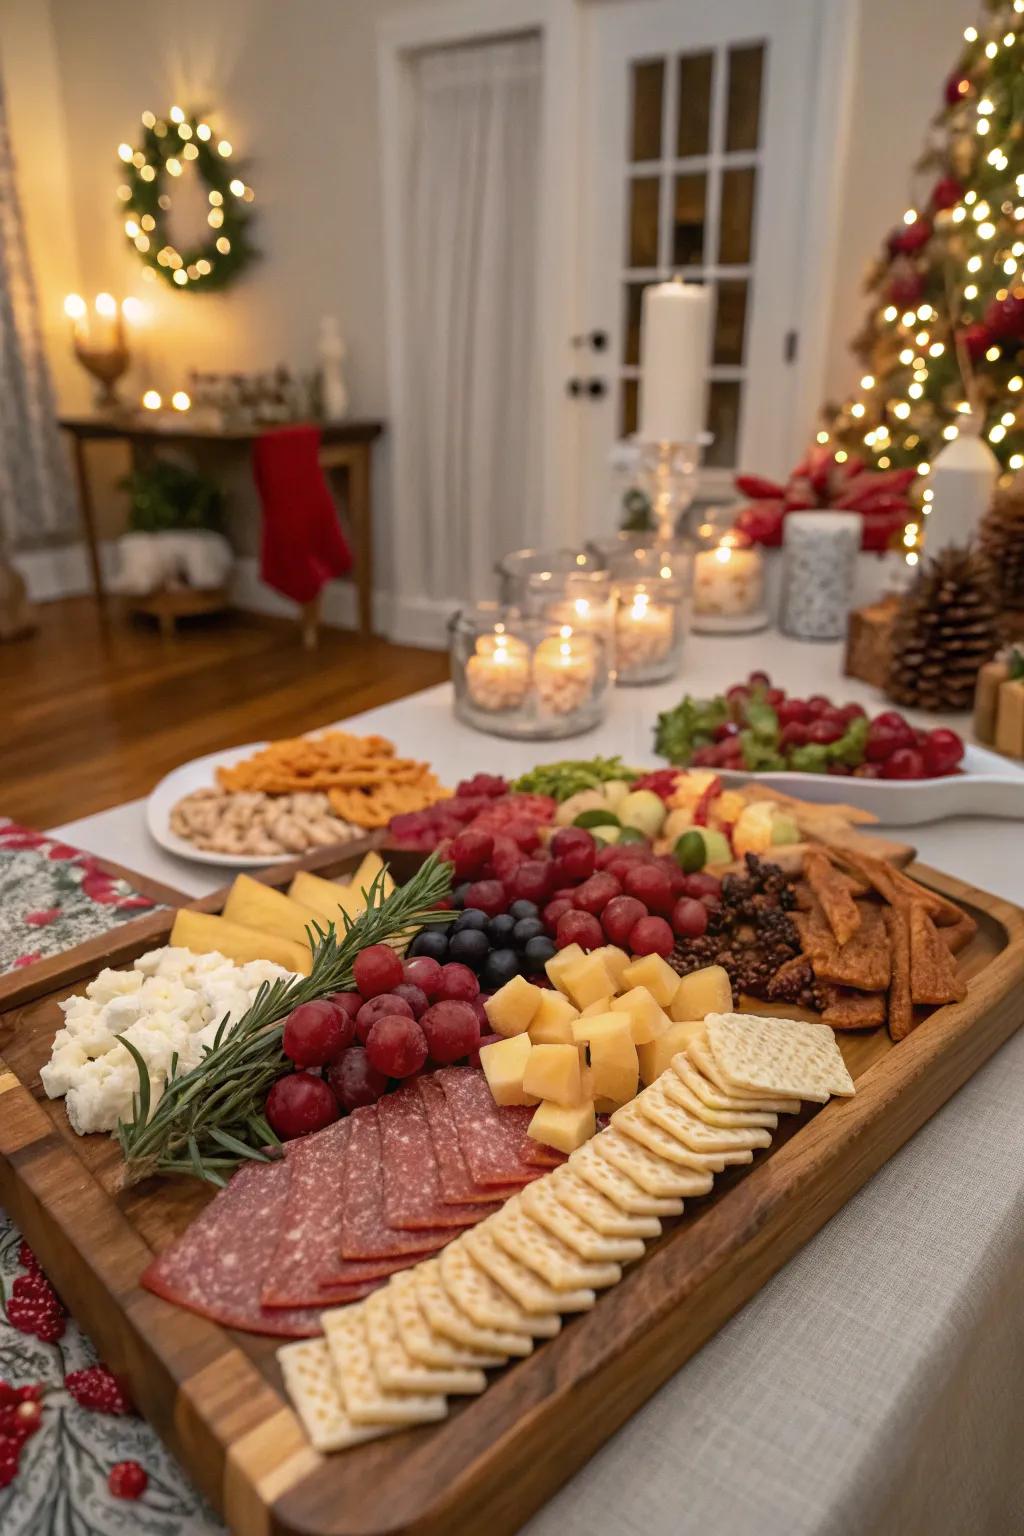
(874, 1387)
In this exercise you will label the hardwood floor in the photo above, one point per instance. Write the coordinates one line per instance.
(94, 714)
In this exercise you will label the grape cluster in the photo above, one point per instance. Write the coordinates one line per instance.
(495, 946)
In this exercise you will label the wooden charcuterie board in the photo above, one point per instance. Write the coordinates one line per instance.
(216, 1396)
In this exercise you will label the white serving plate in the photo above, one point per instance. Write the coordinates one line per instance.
(989, 785)
(201, 773)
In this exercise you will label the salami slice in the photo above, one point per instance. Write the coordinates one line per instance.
(540, 1156)
(365, 1230)
(217, 1267)
(305, 1270)
(412, 1188)
(493, 1138)
(457, 1188)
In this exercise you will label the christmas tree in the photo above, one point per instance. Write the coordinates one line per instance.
(945, 331)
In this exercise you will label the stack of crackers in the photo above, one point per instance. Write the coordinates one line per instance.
(433, 1331)
(879, 945)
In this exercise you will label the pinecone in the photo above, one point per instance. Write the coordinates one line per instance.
(946, 629)
(1001, 541)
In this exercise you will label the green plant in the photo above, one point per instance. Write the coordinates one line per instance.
(166, 496)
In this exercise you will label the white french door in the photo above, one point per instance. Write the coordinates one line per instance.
(693, 152)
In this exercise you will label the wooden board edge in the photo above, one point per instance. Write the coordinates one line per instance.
(333, 857)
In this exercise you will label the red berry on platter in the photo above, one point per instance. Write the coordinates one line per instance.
(348, 1002)
(651, 936)
(569, 837)
(488, 896)
(376, 969)
(470, 851)
(315, 1032)
(794, 734)
(354, 1080)
(852, 712)
(620, 917)
(452, 1030)
(127, 1480)
(523, 833)
(299, 1104)
(737, 695)
(380, 1007)
(98, 1390)
(905, 763)
(532, 881)
(689, 918)
(703, 884)
(553, 911)
(652, 885)
(823, 732)
(577, 864)
(595, 894)
(580, 928)
(506, 858)
(818, 705)
(886, 735)
(423, 972)
(725, 730)
(893, 720)
(458, 984)
(397, 1046)
(943, 752)
(793, 711)
(759, 677)
(415, 996)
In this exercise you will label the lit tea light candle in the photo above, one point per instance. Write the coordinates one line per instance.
(644, 633)
(564, 670)
(498, 672)
(728, 579)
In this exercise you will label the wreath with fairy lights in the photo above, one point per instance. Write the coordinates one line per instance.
(170, 148)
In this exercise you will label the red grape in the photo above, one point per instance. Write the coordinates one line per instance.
(378, 1008)
(376, 969)
(884, 738)
(452, 1030)
(759, 677)
(354, 1080)
(553, 911)
(705, 757)
(576, 863)
(651, 936)
(580, 928)
(348, 1002)
(523, 833)
(506, 858)
(905, 763)
(488, 895)
(570, 837)
(485, 1039)
(532, 881)
(408, 992)
(794, 734)
(823, 732)
(852, 712)
(689, 918)
(703, 884)
(892, 720)
(652, 885)
(315, 1032)
(943, 751)
(470, 852)
(396, 1045)
(775, 696)
(595, 894)
(737, 696)
(817, 705)
(620, 917)
(300, 1104)
(793, 712)
(423, 972)
(458, 983)
(725, 730)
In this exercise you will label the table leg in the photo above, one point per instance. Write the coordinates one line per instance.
(88, 519)
(361, 512)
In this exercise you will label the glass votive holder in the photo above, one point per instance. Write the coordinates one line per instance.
(517, 570)
(583, 599)
(728, 578)
(526, 677)
(652, 610)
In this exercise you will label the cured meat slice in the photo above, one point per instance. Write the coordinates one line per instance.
(493, 1138)
(305, 1270)
(365, 1230)
(457, 1188)
(219, 1264)
(539, 1156)
(412, 1188)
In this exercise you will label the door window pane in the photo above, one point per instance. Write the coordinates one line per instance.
(643, 222)
(648, 87)
(743, 108)
(693, 131)
(736, 231)
(627, 412)
(724, 421)
(730, 321)
(631, 330)
(688, 214)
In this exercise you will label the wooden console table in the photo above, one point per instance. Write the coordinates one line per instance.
(344, 445)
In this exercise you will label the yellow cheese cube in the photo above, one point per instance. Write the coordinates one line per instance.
(587, 980)
(606, 1106)
(654, 973)
(603, 1005)
(252, 904)
(648, 1020)
(564, 1128)
(614, 1066)
(552, 1023)
(656, 1055)
(616, 960)
(203, 934)
(511, 1010)
(553, 1072)
(504, 1063)
(590, 1026)
(702, 992)
(560, 963)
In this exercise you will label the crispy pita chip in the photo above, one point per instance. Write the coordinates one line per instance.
(933, 974)
(862, 962)
(846, 1009)
(901, 1009)
(832, 889)
(956, 935)
(898, 889)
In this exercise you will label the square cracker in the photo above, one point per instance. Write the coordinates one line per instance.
(659, 1107)
(449, 1320)
(783, 1056)
(646, 1168)
(310, 1382)
(634, 1123)
(521, 1282)
(627, 1193)
(366, 1400)
(680, 1094)
(419, 1338)
(699, 1052)
(540, 1201)
(594, 1207)
(550, 1258)
(398, 1371)
(487, 1303)
(709, 1093)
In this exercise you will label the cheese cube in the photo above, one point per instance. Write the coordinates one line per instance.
(648, 1020)
(561, 1127)
(587, 980)
(656, 1055)
(614, 1066)
(511, 1010)
(559, 964)
(552, 1023)
(504, 1063)
(616, 960)
(654, 973)
(553, 1072)
(606, 1106)
(591, 1026)
(603, 1005)
(702, 992)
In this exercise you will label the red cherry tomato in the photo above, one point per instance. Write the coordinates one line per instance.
(943, 752)
(794, 734)
(852, 712)
(823, 732)
(817, 704)
(793, 710)
(905, 763)
(887, 735)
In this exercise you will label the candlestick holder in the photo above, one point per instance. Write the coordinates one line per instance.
(667, 475)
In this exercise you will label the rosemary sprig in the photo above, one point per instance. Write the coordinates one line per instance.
(211, 1118)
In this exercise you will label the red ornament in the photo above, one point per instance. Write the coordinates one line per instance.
(1005, 317)
(977, 339)
(127, 1480)
(909, 238)
(946, 192)
(957, 87)
(906, 288)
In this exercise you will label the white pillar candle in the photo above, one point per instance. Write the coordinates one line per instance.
(674, 333)
(728, 580)
(963, 480)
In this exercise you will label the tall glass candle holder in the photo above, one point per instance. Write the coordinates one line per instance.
(581, 598)
(526, 677)
(728, 580)
(522, 566)
(652, 609)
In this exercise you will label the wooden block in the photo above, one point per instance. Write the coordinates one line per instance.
(868, 641)
(1010, 718)
(986, 699)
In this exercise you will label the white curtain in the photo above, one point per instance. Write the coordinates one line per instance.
(36, 501)
(472, 407)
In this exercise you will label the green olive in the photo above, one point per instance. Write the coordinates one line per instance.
(691, 852)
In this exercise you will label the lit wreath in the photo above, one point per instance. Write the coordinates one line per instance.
(167, 148)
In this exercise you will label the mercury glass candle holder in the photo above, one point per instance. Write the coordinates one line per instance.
(652, 609)
(518, 569)
(526, 677)
(728, 578)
